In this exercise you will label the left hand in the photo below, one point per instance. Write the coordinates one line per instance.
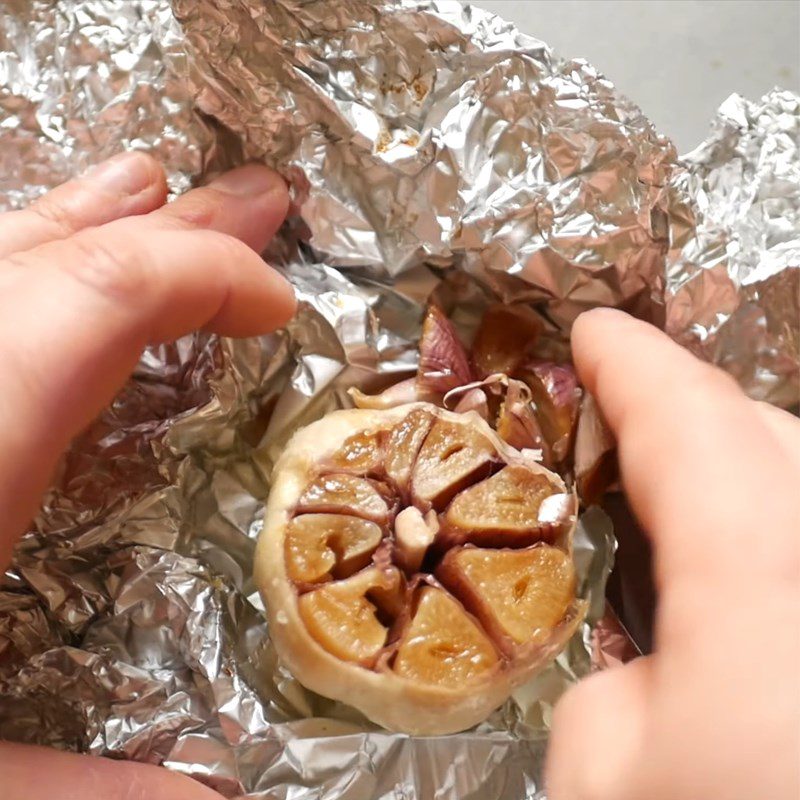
(89, 275)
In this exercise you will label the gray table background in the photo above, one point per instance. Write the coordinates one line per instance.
(677, 59)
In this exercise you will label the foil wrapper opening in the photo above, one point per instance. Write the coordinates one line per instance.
(432, 150)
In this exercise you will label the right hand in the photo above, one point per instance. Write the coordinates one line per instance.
(714, 478)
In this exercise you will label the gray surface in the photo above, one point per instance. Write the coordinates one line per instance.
(678, 59)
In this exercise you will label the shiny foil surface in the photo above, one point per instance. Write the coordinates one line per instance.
(733, 276)
(80, 81)
(431, 149)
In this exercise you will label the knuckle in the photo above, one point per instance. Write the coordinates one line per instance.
(55, 215)
(21, 262)
(227, 249)
(116, 272)
(196, 210)
(232, 249)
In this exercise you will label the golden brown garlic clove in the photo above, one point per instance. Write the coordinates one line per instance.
(520, 596)
(345, 494)
(319, 546)
(453, 455)
(506, 337)
(506, 510)
(443, 645)
(443, 362)
(345, 617)
(556, 395)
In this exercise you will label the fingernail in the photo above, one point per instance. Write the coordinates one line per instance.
(124, 174)
(252, 180)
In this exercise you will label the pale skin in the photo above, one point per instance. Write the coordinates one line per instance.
(99, 268)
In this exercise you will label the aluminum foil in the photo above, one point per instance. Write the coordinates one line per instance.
(432, 149)
(79, 81)
(733, 276)
(427, 134)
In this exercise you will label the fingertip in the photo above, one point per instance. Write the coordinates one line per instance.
(267, 214)
(249, 203)
(251, 180)
(589, 323)
(283, 299)
(262, 304)
(585, 330)
(151, 166)
(601, 333)
(255, 298)
(598, 723)
(129, 184)
(266, 195)
(158, 176)
(128, 174)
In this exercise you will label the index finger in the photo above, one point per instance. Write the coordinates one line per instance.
(75, 315)
(129, 184)
(702, 469)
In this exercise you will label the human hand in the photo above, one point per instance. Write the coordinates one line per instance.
(89, 275)
(713, 477)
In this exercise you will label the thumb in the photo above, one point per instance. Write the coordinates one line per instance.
(36, 773)
(597, 732)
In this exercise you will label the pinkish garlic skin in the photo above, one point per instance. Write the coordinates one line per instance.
(557, 396)
(399, 394)
(538, 413)
(473, 400)
(595, 453)
(494, 385)
(560, 382)
(516, 422)
(443, 361)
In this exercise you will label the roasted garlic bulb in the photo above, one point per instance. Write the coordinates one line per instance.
(415, 565)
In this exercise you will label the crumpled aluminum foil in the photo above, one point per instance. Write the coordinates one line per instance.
(426, 134)
(733, 276)
(432, 149)
(79, 81)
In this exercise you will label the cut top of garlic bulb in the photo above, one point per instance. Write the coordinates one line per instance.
(415, 565)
